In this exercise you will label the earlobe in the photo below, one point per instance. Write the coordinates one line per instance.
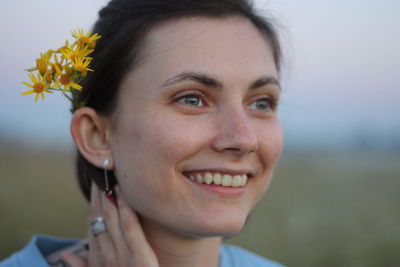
(91, 135)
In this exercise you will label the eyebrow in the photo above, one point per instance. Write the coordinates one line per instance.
(209, 81)
(265, 81)
(202, 78)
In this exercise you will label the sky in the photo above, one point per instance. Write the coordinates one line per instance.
(341, 75)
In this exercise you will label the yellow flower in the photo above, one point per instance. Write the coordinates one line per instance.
(65, 80)
(81, 64)
(57, 63)
(43, 62)
(49, 77)
(41, 65)
(63, 69)
(85, 38)
(38, 87)
(72, 53)
(64, 48)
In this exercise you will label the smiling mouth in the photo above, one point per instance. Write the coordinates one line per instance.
(219, 179)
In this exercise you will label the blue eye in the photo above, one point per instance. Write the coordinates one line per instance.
(261, 104)
(191, 100)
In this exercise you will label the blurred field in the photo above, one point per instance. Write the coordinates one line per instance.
(323, 209)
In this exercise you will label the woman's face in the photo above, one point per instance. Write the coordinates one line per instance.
(200, 105)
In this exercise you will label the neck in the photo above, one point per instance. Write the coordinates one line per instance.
(175, 250)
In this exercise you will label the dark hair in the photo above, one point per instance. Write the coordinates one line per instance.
(123, 25)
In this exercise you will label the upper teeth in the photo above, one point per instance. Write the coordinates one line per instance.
(220, 179)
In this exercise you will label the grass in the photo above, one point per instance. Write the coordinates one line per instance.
(323, 209)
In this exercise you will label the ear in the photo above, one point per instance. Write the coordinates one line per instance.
(91, 134)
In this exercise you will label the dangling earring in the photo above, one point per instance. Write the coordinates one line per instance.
(108, 192)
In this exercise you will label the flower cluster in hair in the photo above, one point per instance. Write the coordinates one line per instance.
(63, 69)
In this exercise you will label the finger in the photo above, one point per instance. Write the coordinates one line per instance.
(73, 260)
(110, 212)
(95, 205)
(133, 232)
(94, 249)
(101, 248)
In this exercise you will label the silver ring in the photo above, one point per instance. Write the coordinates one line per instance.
(98, 225)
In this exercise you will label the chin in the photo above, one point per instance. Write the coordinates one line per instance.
(222, 227)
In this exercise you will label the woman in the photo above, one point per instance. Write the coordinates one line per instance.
(179, 128)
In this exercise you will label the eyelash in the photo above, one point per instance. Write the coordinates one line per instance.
(193, 93)
(272, 103)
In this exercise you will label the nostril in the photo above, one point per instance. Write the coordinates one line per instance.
(234, 133)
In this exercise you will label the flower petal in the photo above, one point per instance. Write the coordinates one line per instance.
(76, 86)
(27, 84)
(32, 77)
(28, 92)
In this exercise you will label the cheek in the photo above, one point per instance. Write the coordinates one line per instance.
(149, 152)
(270, 148)
(270, 144)
(173, 137)
(160, 139)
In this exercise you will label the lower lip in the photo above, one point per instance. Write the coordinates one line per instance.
(221, 190)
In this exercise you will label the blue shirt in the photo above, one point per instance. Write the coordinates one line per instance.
(40, 246)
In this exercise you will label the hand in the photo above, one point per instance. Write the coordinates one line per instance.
(122, 244)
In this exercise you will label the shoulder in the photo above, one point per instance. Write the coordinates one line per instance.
(34, 253)
(236, 256)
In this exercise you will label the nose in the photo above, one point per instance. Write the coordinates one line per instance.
(235, 135)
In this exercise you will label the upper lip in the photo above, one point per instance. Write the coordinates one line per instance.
(221, 170)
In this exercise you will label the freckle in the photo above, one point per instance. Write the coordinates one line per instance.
(125, 176)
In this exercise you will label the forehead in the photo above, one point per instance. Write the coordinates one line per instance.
(199, 40)
(196, 30)
(231, 49)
